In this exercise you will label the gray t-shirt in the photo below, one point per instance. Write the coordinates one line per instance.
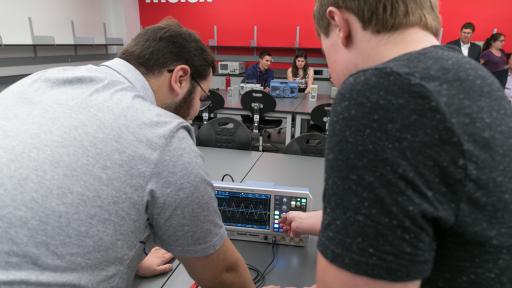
(91, 167)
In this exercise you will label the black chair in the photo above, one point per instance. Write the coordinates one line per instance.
(216, 102)
(258, 103)
(320, 118)
(309, 144)
(225, 132)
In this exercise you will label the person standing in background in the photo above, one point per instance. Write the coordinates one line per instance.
(508, 86)
(494, 59)
(260, 73)
(301, 72)
(468, 48)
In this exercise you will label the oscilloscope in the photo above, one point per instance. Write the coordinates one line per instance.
(252, 213)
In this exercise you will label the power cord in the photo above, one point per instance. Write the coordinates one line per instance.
(257, 273)
(232, 179)
(259, 277)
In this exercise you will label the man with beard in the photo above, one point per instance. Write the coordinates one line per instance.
(99, 159)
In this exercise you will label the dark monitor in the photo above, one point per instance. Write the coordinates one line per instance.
(247, 210)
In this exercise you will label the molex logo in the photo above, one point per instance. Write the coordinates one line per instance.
(177, 1)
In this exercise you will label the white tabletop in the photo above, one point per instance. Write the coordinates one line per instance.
(295, 266)
(237, 163)
(291, 170)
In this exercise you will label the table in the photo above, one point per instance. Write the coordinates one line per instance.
(285, 107)
(220, 161)
(295, 266)
(291, 170)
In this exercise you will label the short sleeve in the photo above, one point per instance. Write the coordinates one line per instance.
(484, 56)
(182, 207)
(393, 171)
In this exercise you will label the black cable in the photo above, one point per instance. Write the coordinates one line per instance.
(232, 179)
(259, 278)
(270, 265)
(249, 170)
(256, 271)
(144, 247)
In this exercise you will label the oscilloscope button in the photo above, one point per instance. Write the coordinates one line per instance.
(285, 207)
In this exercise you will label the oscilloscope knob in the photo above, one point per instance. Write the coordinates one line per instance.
(285, 208)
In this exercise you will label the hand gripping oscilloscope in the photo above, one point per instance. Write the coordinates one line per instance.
(252, 213)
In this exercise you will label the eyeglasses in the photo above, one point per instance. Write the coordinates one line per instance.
(205, 102)
(206, 95)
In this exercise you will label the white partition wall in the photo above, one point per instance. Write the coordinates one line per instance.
(52, 17)
(64, 22)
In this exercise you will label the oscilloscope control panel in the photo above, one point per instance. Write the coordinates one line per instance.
(252, 213)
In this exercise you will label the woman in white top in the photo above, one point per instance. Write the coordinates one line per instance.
(301, 72)
(508, 87)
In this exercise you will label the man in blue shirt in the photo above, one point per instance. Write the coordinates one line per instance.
(260, 73)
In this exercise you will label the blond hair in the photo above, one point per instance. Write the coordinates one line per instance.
(383, 16)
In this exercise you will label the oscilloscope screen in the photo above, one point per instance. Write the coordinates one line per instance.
(244, 209)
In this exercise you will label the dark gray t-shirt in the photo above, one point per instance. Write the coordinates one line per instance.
(91, 167)
(419, 174)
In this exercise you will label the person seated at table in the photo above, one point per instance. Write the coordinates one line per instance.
(260, 73)
(301, 72)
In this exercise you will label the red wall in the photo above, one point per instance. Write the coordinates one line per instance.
(486, 15)
(235, 20)
(277, 19)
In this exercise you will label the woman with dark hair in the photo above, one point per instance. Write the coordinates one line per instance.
(493, 57)
(301, 72)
